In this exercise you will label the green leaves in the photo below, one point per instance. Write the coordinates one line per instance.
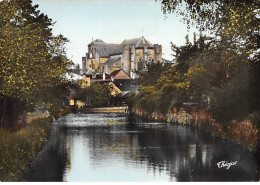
(227, 70)
(97, 95)
(235, 22)
(155, 71)
(32, 60)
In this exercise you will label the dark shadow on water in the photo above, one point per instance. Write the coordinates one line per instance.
(112, 148)
(49, 164)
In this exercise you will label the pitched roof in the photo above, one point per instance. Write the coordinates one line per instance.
(114, 72)
(144, 42)
(111, 61)
(107, 49)
(120, 75)
(138, 42)
(104, 49)
(90, 72)
(96, 41)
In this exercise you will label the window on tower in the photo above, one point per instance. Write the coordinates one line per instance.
(140, 64)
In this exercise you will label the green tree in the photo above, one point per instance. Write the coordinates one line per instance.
(97, 95)
(147, 98)
(32, 60)
(155, 71)
(232, 100)
(218, 69)
(237, 20)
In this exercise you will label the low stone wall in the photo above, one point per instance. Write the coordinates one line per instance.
(36, 115)
(104, 110)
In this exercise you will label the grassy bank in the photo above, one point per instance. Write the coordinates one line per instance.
(19, 145)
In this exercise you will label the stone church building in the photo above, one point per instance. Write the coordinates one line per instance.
(131, 55)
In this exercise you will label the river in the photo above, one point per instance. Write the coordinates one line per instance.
(111, 147)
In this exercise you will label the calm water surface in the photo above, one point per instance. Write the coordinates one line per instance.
(110, 147)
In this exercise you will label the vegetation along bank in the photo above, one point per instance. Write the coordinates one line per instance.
(244, 132)
(18, 146)
(33, 64)
(219, 73)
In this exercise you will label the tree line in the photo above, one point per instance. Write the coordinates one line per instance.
(220, 67)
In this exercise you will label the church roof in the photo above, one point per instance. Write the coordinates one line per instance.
(111, 61)
(144, 42)
(138, 42)
(104, 49)
(107, 49)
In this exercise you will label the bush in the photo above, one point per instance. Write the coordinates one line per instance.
(244, 132)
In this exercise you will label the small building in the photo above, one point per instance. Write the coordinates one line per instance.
(84, 82)
(120, 74)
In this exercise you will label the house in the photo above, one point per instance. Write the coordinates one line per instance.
(84, 82)
(124, 82)
(131, 55)
(120, 74)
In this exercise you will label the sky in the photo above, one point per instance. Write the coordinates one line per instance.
(113, 21)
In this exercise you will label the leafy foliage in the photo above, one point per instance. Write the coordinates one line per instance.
(233, 99)
(155, 71)
(203, 72)
(97, 95)
(32, 60)
(222, 69)
(217, 16)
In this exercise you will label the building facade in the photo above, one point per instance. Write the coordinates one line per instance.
(131, 55)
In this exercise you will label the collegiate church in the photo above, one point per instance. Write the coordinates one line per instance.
(131, 55)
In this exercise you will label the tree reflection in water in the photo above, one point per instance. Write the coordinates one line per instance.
(110, 147)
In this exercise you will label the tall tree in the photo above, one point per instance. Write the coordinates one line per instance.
(32, 59)
(235, 25)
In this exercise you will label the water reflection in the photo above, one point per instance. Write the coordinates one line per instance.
(50, 162)
(105, 147)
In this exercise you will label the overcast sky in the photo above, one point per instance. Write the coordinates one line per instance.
(112, 21)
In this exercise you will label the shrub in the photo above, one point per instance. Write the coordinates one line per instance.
(244, 132)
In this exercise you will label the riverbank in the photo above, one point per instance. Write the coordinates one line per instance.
(19, 146)
(244, 132)
(36, 115)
